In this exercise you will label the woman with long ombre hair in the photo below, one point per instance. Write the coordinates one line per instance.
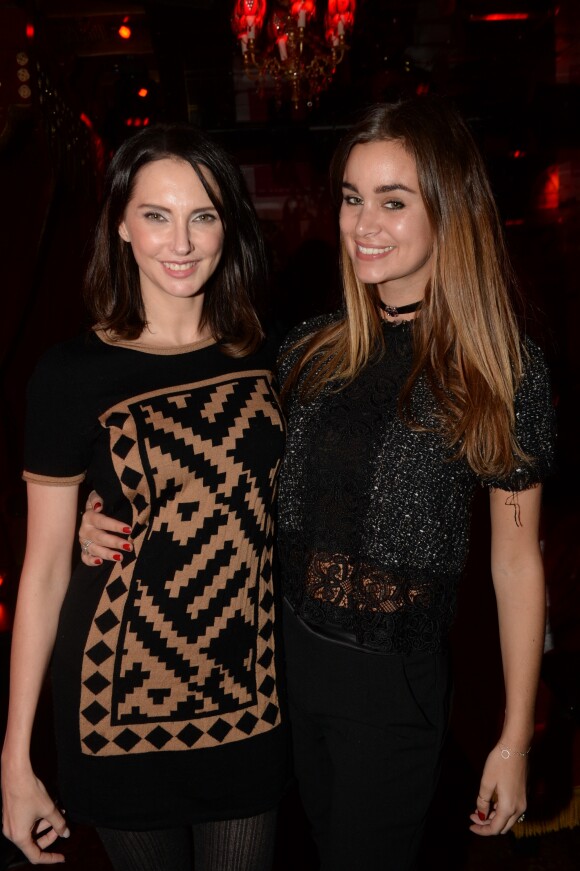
(467, 338)
(399, 406)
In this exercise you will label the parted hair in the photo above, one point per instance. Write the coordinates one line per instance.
(466, 336)
(112, 289)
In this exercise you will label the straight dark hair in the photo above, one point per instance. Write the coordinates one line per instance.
(112, 289)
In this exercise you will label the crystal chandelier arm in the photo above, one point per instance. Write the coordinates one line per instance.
(294, 56)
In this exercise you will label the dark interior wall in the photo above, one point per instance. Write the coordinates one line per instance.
(44, 247)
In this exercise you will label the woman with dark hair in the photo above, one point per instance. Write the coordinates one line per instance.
(399, 406)
(165, 667)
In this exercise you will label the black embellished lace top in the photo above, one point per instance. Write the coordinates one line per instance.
(374, 516)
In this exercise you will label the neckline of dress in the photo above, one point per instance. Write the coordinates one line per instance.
(143, 348)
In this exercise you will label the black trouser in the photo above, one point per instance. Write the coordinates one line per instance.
(368, 731)
(226, 845)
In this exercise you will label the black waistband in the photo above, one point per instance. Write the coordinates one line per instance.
(334, 634)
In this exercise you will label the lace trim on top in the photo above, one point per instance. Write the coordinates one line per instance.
(343, 582)
(382, 611)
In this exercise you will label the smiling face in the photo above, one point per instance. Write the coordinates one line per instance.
(383, 221)
(174, 230)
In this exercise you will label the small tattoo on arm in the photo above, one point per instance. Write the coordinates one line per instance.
(513, 501)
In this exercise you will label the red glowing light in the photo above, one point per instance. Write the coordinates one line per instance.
(124, 32)
(142, 92)
(303, 11)
(518, 153)
(5, 621)
(501, 16)
(248, 18)
(339, 19)
(30, 31)
(549, 194)
(86, 121)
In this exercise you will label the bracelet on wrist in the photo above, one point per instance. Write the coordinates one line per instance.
(507, 752)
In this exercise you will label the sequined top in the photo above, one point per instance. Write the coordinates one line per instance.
(374, 516)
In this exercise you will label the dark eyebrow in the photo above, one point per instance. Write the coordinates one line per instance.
(155, 208)
(382, 189)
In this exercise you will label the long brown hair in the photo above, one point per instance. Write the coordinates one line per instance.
(112, 290)
(466, 337)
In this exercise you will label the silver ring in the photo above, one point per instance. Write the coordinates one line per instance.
(521, 818)
(85, 546)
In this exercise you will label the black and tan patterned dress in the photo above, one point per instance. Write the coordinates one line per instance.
(166, 666)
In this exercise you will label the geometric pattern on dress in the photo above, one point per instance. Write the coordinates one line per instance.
(180, 653)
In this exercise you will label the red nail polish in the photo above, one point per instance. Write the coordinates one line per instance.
(117, 556)
(97, 505)
(126, 547)
(98, 562)
(127, 529)
(481, 815)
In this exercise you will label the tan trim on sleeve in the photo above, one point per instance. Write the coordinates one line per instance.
(54, 482)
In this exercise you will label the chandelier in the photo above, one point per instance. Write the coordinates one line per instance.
(289, 43)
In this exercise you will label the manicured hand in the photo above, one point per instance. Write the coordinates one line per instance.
(101, 537)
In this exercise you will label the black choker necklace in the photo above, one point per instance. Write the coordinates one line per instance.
(395, 311)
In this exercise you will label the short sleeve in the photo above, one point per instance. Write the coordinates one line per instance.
(57, 442)
(535, 425)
